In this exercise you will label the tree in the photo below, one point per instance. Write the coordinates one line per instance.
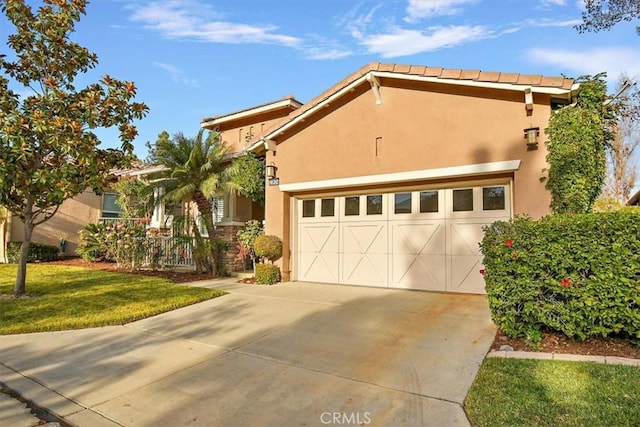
(198, 169)
(604, 14)
(134, 197)
(621, 165)
(4, 222)
(578, 137)
(250, 177)
(48, 151)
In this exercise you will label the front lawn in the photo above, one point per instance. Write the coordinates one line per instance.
(514, 392)
(63, 297)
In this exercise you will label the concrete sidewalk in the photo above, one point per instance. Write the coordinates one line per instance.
(290, 354)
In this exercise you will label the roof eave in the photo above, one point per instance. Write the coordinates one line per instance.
(282, 104)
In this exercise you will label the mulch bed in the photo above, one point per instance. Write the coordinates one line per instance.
(554, 342)
(171, 275)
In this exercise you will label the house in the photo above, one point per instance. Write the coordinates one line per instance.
(388, 177)
(634, 200)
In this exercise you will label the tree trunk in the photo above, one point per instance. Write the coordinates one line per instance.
(197, 259)
(206, 213)
(21, 277)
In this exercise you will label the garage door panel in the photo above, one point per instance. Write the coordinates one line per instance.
(364, 253)
(316, 267)
(319, 238)
(418, 237)
(464, 238)
(427, 272)
(318, 252)
(465, 276)
(361, 269)
(364, 238)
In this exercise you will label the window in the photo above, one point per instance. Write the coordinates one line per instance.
(352, 206)
(374, 204)
(327, 207)
(110, 207)
(402, 203)
(463, 200)
(493, 198)
(217, 203)
(428, 201)
(308, 208)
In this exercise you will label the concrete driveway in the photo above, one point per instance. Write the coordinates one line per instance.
(295, 354)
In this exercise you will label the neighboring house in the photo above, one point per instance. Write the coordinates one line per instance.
(634, 200)
(72, 215)
(387, 178)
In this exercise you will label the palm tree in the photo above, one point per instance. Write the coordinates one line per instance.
(197, 169)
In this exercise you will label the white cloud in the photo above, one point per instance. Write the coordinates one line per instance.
(196, 21)
(176, 74)
(553, 23)
(547, 3)
(419, 9)
(323, 53)
(402, 42)
(613, 60)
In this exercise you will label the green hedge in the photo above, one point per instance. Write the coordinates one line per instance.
(267, 274)
(38, 252)
(577, 274)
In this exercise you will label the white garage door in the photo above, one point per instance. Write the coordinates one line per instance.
(421, 239)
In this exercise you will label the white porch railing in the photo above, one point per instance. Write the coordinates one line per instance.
(169, 252)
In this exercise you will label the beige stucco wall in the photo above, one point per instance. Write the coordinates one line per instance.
(71, 217)
(235, 133)
(416, 127)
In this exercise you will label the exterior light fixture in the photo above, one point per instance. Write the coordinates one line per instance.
(271, 170)
(531, 135)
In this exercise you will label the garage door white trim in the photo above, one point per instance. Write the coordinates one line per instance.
(416, 239)
(401, 177)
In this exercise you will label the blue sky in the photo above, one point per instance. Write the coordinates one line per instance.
(192, 59)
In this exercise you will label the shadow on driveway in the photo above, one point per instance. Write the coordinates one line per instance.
(292, 354)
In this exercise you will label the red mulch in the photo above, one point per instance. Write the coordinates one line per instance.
(552, 342)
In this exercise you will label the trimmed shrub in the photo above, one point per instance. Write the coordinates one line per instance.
(576, 274)
(268, 246)
(267, 274)
(38, 252)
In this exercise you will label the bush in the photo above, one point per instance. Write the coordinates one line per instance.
(577, 274)
(38, 252)
(267, 274)
(92, 245)
(247, 237)
(122, 242)
(269, 247)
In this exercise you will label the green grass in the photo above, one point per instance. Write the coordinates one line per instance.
(63, 297)
(514, 392)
